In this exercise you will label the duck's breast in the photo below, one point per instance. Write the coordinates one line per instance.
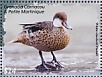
(61, 38)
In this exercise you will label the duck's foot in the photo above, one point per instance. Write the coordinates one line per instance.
(49, 66)
(42, 68)
(56, 65)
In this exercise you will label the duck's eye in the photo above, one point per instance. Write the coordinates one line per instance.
(61, 18)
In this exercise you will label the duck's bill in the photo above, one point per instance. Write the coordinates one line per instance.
(65, 24)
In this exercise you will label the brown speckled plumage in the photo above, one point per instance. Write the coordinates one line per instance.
(48, 37)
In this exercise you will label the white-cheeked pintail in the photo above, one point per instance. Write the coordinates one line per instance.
(46, 36)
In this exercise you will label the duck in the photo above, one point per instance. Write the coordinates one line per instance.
(47, 36)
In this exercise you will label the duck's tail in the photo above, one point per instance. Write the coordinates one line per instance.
(16, 40)
(20, 39)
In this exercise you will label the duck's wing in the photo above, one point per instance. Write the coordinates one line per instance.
(46, 25)
(26, 26)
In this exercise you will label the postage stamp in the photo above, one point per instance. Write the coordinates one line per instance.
(50, 38)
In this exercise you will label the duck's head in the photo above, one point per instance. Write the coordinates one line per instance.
(60, 20)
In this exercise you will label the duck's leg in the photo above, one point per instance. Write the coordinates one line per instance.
(42, 59)
(54, 58)
(43, 66)
(55, 62)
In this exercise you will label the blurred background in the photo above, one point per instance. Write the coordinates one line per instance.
(79, 55)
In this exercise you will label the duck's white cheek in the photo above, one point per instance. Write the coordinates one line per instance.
(57, 22)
